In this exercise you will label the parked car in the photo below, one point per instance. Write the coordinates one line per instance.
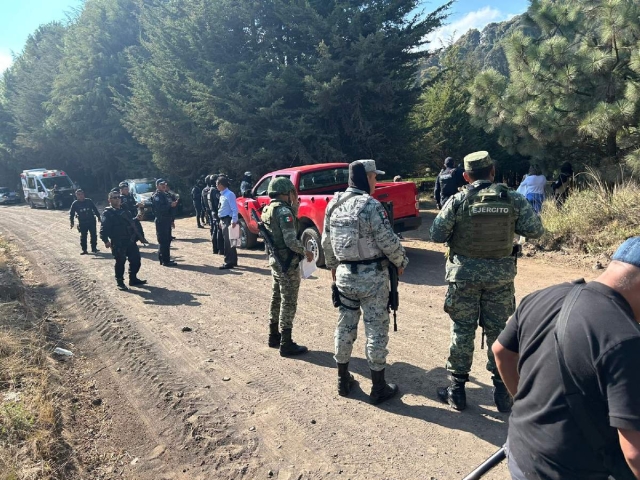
(8, 196)
(316, 185)
(142, 190)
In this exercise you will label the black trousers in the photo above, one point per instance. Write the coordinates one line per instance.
(230, 253)
(217, 241)
(163, 234)
(85, 227)
(122, 253)
(199, 213)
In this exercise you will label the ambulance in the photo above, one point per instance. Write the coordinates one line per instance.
(47, 188)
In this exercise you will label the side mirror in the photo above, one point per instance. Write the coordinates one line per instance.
(40, 189)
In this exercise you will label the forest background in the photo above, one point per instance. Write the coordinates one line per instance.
(190, 87)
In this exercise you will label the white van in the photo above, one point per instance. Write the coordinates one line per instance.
(47, 188)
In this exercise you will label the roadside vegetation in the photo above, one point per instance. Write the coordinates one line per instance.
(596, 217)
(31, 441)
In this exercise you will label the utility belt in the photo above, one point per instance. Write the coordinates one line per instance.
(370, 261)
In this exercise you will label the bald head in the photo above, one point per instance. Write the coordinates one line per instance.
(624, 278)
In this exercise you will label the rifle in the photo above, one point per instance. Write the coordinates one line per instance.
(133, 225)
(268, 241)
(394, 296)
(487, 465)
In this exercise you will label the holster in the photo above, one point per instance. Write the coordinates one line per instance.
(335, 295)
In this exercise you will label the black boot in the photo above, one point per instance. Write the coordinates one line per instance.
(345, 379)
(455, 394)
(136, 281)
(170, 263)
(274, 335)
(381, 390)
(121, 285)
(288, 347)
(501, 396)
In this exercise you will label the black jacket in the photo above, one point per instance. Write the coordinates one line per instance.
(85, 211)
(162, 206)
(129, 204)
(117, 227)
(196, 195)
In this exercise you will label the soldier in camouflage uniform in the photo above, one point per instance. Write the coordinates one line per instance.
(479, 224)
(358, 243)
(280, 218)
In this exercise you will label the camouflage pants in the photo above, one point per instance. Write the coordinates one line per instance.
(284, 294)
(367, 291)
(466, 303)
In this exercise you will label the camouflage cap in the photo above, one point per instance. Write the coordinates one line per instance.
(477, 161)
(370, 166)
(280, 186)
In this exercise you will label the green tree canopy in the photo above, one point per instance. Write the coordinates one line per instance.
(572, 93)
(262, 85)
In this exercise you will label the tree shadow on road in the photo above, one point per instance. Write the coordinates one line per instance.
(484, 423)
(164, 296)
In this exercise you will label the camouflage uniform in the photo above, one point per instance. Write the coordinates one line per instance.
(479, 287)
(365, 286)
(283, 225)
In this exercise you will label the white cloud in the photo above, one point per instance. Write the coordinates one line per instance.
(5, 60)
(477, 19)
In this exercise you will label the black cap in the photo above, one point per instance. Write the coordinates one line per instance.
(79, 190)
(123, 185)
(160, 180)
(449, 162)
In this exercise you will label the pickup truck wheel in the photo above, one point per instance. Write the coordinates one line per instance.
(31, 205)
(247, 239)
(312, 241)
(47, 204)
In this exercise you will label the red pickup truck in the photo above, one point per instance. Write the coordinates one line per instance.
(316, 185)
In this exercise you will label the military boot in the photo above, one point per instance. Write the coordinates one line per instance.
(288, 347)
(501, 396)
(345, 379)
(136, 281)
(455, 394)
(274, 335)
(381, 390)
(121, 285)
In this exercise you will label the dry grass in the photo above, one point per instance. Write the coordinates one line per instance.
(596, 217)
(31, 444)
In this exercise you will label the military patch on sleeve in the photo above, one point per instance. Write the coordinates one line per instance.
(383, 214)
(288, 219)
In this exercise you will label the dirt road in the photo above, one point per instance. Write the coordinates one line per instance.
(216, 402)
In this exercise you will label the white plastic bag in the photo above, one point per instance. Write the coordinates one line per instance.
(307, 268)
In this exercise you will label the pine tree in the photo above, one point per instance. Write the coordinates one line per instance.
(572, 93)
(93, 78)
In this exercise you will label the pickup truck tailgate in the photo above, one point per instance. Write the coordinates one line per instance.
(402, 196)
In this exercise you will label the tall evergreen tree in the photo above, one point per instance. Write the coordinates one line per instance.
(572, 93)
(266, 84)
(93, 76)
(26, 135)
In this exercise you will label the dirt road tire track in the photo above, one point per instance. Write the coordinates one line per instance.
(182, 420)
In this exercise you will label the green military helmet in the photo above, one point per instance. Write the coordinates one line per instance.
(280, 186)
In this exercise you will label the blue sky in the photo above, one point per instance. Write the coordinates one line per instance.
(19, 18)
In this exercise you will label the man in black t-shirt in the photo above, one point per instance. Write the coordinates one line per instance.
(602, 352)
